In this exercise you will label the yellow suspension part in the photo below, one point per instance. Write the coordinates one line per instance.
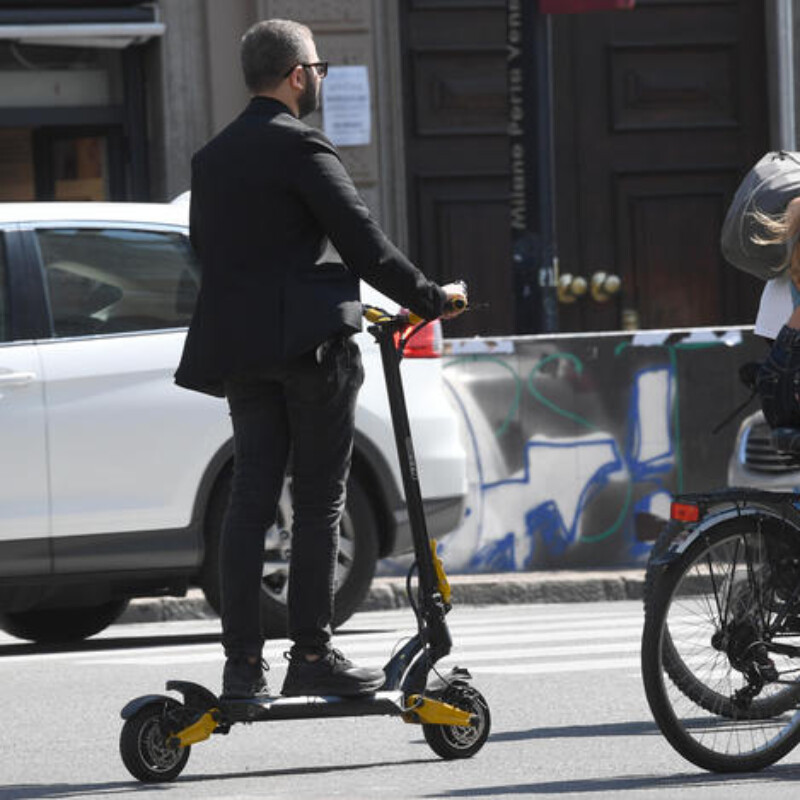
(198, 731)
(375, 314)
(427, 711)
(441, 575)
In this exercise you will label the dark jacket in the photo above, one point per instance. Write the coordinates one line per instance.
(268, 194)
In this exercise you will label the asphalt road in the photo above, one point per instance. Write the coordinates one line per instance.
(562, 681)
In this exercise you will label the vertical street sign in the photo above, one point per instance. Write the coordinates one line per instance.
(535, 264)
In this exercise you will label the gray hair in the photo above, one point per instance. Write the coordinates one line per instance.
(270, 49)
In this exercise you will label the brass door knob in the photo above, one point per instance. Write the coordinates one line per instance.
(604, 286)
(571, 287)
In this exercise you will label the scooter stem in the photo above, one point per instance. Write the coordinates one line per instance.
(432, 606)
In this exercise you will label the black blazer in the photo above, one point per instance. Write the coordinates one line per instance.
(268, 195)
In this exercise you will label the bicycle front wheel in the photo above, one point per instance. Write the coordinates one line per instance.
(718, 679)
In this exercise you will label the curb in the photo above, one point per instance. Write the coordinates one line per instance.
(388, 593)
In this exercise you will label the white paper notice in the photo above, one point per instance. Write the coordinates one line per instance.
(346, 112)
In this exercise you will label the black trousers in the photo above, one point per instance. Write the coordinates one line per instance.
(305, 409)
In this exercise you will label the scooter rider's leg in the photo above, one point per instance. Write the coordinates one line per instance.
(261, 444)
(321, 401)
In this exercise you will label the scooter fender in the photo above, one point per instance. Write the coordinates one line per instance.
(457, 675)
(139, 703)
(684, 539)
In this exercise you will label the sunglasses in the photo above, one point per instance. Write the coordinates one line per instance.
(321, 68)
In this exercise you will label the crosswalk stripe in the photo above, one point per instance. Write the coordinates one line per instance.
(531, 668)
(555, 668)
(530, 625)
(480, 640)
(380, 658)
(491, 615)
(526, 641)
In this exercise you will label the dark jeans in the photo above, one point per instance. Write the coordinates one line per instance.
(778, 381)
(305, 408)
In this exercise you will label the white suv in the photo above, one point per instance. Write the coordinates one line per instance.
(113, 481)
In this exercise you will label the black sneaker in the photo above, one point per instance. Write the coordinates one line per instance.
(243, 680)
(332, 674)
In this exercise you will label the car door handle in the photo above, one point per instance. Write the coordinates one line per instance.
(16, 378)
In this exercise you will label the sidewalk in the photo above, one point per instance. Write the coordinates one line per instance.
(505, 588)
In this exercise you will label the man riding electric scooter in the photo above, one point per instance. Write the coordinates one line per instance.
(271, 333)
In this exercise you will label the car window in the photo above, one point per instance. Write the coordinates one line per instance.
(3, 292)
(117, 280)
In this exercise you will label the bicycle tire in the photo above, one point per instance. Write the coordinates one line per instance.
(683, 677)
(729, 573)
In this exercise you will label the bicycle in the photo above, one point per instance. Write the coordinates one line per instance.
(721, 641)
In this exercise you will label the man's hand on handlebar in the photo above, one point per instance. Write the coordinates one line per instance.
(456, 302)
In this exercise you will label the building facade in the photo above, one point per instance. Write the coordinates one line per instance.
(656, 113)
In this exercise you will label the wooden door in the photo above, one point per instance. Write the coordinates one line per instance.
(659, 111)
(457, 158)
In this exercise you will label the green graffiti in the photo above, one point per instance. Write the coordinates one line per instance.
(620, 347)
(578, 367)
(513, 410)
(695, 345)
(617, 524)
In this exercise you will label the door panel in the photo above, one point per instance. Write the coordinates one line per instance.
(457, 152)
(462, 214)
(24, 511)
(127, 448)
(675, 276)
(23, 464)
(659, 113)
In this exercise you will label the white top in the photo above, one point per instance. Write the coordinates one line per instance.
(776, 306)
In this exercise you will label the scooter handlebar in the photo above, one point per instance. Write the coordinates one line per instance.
(456, 302)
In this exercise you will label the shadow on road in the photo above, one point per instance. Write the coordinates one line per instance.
(116, 643)
(140, 641)
(29, 791)
(616, 786)
(578, 731)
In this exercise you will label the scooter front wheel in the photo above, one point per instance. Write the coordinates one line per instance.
(144, 745)
(456, 741)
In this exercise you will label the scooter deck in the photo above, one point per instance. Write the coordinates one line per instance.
(312, 706)
(201, 700)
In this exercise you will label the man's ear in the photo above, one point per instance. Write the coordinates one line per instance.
(297, 78)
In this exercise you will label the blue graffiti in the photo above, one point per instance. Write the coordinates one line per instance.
(549, 529)
(497, 556)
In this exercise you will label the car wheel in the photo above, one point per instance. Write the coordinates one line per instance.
(61, 625)
(355, 568)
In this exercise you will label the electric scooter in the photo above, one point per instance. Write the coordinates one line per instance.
(159, 730)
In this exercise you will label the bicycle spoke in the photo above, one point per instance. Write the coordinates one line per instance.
(721, 696)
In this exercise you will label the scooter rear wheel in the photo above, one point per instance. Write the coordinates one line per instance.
(144, 747)
(456, 741)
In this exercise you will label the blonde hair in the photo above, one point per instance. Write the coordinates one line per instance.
(782, 229)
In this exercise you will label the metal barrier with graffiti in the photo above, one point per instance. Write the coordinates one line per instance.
(576, 442)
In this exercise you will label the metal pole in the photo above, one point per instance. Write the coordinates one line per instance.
(784, 38)
(532, 183)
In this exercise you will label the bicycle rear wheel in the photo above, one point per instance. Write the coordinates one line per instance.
(719, 690)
